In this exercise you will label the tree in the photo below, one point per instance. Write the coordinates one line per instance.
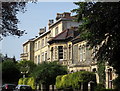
(46, 73)
(9, 19)
(26, 67)
(1, 57)
(10, 72)
(101, 27)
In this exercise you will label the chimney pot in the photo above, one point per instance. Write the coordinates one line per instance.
(42, 30)
(50, 22)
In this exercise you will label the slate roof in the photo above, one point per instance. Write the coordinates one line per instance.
(64, 35)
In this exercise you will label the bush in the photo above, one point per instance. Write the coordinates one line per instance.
(74, 79)
(59, 82)
(103, 89)
(27, 81)
(100, 87)
(31, 82)
(116, 83)
(20, 82)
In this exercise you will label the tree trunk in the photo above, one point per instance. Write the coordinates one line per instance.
(45, 87)
(52, 87)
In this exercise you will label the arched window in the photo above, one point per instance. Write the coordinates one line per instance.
(84, 52)
(94, 70)
(81, 53)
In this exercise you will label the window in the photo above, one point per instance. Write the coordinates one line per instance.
(43, 42)
(45, 56)
(56, 30)
(81, 53)
(56, 52)
(70, 53)
(84, 52)
(60, 51)
(94, 52)
(26, 48)
(38, 61)
(38, 44)
(35, 59)
(52, 54)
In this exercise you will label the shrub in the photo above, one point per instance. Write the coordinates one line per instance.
(31, 82)
(116, 83)
(74, 79)
(100, 87)
(106, 89)
(27, 81)
(59, 82)
(20, 82)
(66, 81)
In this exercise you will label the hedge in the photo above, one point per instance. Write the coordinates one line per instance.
(27, 81)
(74, 79)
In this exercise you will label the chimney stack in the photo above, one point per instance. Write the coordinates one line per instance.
(63, 15)
(50, 22)
(42, 30)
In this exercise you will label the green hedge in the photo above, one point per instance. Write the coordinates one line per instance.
(100, 87)
(27, 81)
(104, 89)
(73, 80)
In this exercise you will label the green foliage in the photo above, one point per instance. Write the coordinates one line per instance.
(20, 82)
(107, 89)
(9, 18)
(74, 79)
(116, 83)
(59, 82)
(26, 67)
(101, 23)
(10, 72)
(27, 81)
(100, 87)
(101, 71)
(47, 72)
(31, 82)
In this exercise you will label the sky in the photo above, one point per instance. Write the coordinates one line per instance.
(36, 17)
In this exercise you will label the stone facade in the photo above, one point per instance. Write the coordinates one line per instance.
(62, 43)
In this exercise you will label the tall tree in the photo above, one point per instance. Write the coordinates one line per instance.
(46, 73)
(26, 67)
(1, 57)
(101, 27)
(9, 19)
(10, 72)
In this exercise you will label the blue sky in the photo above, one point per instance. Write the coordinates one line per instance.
(36, 17)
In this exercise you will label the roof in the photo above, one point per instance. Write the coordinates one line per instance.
(33, 39)
(42, 35)
(61, 19)
(63, 36)
(76, 39)
(28, 41)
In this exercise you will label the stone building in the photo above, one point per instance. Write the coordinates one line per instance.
(62, 43)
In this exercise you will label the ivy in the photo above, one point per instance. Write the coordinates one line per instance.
(101, 71)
